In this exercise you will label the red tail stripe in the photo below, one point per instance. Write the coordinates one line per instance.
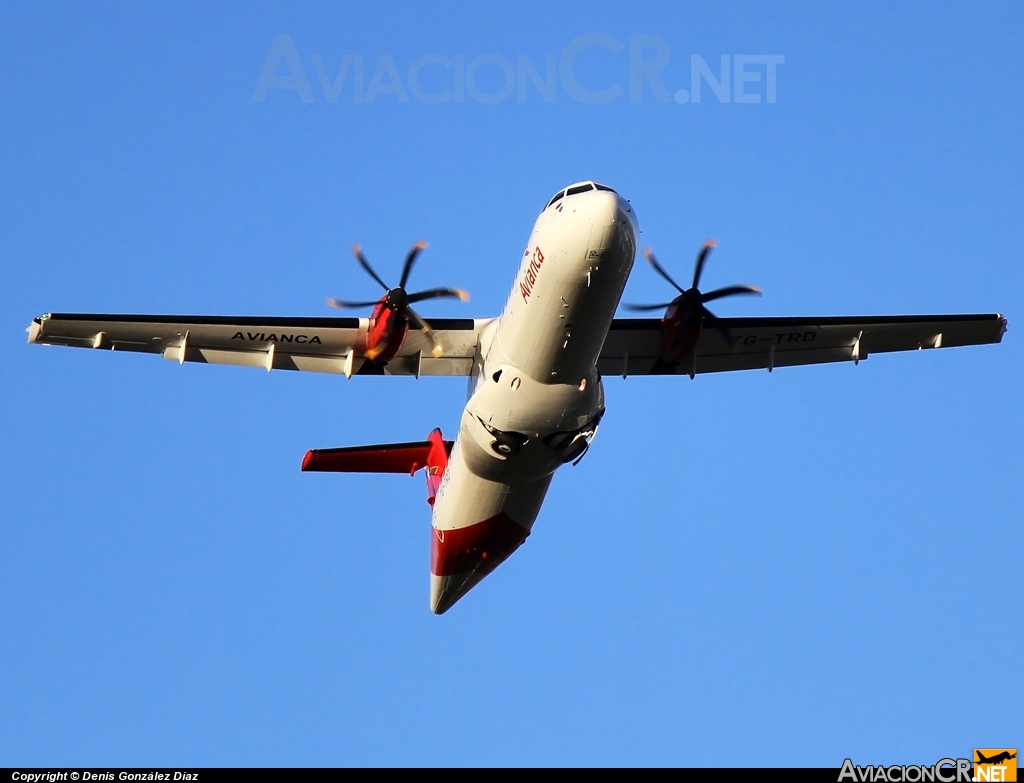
(481, 547)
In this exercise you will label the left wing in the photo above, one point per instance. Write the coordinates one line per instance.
(329, 345)
(633, 344)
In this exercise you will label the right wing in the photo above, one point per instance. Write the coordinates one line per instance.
(633, 347)
(329, 345)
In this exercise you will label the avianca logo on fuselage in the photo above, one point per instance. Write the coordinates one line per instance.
(263, 337)
(530, 278)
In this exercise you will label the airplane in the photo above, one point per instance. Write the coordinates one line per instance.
(999, 758)
(536, 396)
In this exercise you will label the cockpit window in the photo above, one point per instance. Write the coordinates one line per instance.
(557, 196)
(579, 189)
(604, 187)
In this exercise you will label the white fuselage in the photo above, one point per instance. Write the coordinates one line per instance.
(536, 399)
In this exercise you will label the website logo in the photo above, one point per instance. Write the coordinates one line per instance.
(995, 764)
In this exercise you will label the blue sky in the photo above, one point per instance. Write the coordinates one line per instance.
(751, 569)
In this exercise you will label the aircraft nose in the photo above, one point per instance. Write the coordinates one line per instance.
(605, 208)
(599, 206)
(625, 216)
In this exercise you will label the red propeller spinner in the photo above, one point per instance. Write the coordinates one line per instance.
(687, 315)
(392, 313)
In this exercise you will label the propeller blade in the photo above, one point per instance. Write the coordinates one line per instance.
(712, 320)
(349, 305)
(702, 256)
(410, 260)
(645, 308)
(358, 253)
(417, 321)
(439, 293)
(731, 290)
(649, 255)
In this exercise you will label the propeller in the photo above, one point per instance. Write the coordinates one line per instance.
(692, 297)
(398, 299)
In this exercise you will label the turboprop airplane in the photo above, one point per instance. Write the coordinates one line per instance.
(536, 396)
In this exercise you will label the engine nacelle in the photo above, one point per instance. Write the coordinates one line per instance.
(681, 329)
(387, 333)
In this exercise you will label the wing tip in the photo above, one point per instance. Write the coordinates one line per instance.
(35, 329)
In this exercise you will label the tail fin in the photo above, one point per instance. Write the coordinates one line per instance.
(437, 461)
(386, 458)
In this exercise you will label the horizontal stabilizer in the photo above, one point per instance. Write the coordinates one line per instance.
(384, 458)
